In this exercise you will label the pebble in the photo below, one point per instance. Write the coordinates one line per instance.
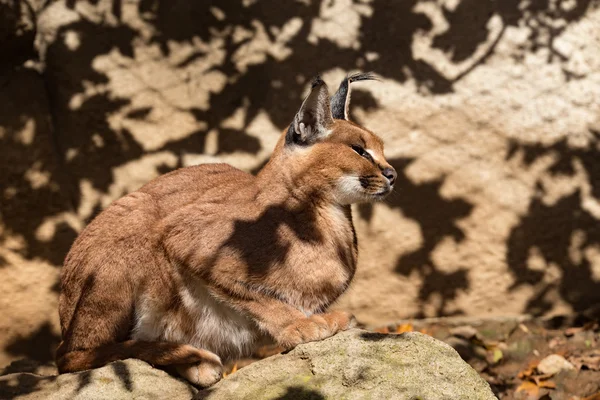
(553, 364)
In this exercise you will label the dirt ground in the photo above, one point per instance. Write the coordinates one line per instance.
(512, 355)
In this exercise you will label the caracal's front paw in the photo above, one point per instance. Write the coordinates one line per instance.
(305, 330)
(340, 320)
(204, 373)
(316, 327)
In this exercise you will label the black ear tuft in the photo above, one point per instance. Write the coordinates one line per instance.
(340, 101)
(317, 82)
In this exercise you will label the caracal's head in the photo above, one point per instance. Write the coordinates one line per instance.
(327, 151)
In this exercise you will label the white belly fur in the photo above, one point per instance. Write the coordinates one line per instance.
(217, 327)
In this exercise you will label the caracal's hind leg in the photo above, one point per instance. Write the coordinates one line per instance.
(96, 324)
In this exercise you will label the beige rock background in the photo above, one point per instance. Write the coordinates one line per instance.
(490, 111)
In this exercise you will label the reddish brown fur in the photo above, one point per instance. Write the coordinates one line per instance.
(273, 250)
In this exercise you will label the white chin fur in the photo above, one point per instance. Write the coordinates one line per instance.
(349, 190)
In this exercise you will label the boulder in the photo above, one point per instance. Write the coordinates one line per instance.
(129, 379)
(351, 365)
(358, 365)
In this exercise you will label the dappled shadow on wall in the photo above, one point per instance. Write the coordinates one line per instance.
(85, 105)
(91, 135)
(437, 218)
(562, 234)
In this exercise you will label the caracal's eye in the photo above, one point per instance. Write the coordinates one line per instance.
(362, 152)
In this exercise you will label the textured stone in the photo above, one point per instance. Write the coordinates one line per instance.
(358, 365)
(121, 380)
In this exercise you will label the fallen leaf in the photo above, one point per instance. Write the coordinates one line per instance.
(524, 328)
(589, 326)
(572, 331)
(385, 329)
(404, 328)
(555, 342)
(531, 368)
(233, 370)
(425, 332)
(530, 388)
(589, 361)
(545, 383)
(497, 355)
(592, 397)
(494, 355)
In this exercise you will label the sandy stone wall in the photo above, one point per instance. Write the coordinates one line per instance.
(490, 112)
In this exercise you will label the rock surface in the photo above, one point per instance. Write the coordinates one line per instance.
(129, 379)
(352, 365)
(358, 365)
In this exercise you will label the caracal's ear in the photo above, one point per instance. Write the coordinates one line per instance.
(313, 120)
(341, 99)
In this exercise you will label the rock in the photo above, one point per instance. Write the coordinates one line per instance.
(357, 365)
(464, 331)
(553, 364)
(119, 380)
(352, 365)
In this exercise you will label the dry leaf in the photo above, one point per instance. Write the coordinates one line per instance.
(592, 397)
(497, 355)
(524, 328)
(555, 342)
(526, 373)
(572, 331)
(494, 356)
(425, 332)
(538, 378)
(385, 329)
(404, 328)
(589, 361)
(530, 388)
(589, 326)
(545, 384)
(233, 370)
